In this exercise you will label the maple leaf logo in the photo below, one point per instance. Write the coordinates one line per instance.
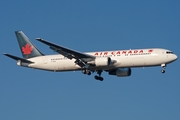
(150, 51)
(27, 49)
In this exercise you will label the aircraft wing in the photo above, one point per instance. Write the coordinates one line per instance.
(81, 58)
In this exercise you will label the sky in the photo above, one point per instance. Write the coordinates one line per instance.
(90, 25)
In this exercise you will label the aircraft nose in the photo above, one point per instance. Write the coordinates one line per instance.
(175, 57)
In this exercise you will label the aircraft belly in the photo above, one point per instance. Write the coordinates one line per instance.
(37, 64)
(131, 61)
(138, 61)
(66, 65)
(63, 65)
(152, 61)
(54, 65)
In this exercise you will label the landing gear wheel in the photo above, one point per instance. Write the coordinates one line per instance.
(89, 73)
(163, 68)
(99, 78)
(163, 71)
(96, 77)
(86, 72)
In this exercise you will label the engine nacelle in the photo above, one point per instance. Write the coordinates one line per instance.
(121, 72)
(101, 61)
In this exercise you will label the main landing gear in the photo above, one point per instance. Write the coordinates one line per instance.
(163, 68)
(98, 77)
(86, 72)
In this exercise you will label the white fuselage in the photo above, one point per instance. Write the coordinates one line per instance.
(121, 58)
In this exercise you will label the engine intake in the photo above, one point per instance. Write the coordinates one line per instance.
(121, 72)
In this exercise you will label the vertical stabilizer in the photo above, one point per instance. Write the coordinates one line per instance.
(27, 48)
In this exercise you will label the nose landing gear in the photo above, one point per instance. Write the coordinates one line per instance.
(163, 71)
(163, 68)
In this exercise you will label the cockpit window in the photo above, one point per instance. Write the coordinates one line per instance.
(169, 52)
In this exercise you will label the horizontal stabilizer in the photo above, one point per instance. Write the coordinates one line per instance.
(17, 58)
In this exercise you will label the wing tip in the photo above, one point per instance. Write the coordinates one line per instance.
(39, 39)
(5, 54)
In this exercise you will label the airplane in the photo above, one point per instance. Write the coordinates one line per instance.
(115, 62)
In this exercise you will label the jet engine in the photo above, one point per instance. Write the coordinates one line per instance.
(121, 72)
(101, 61)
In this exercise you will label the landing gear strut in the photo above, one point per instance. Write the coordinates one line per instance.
(86, 72)
(163, 68)
(98, 77)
